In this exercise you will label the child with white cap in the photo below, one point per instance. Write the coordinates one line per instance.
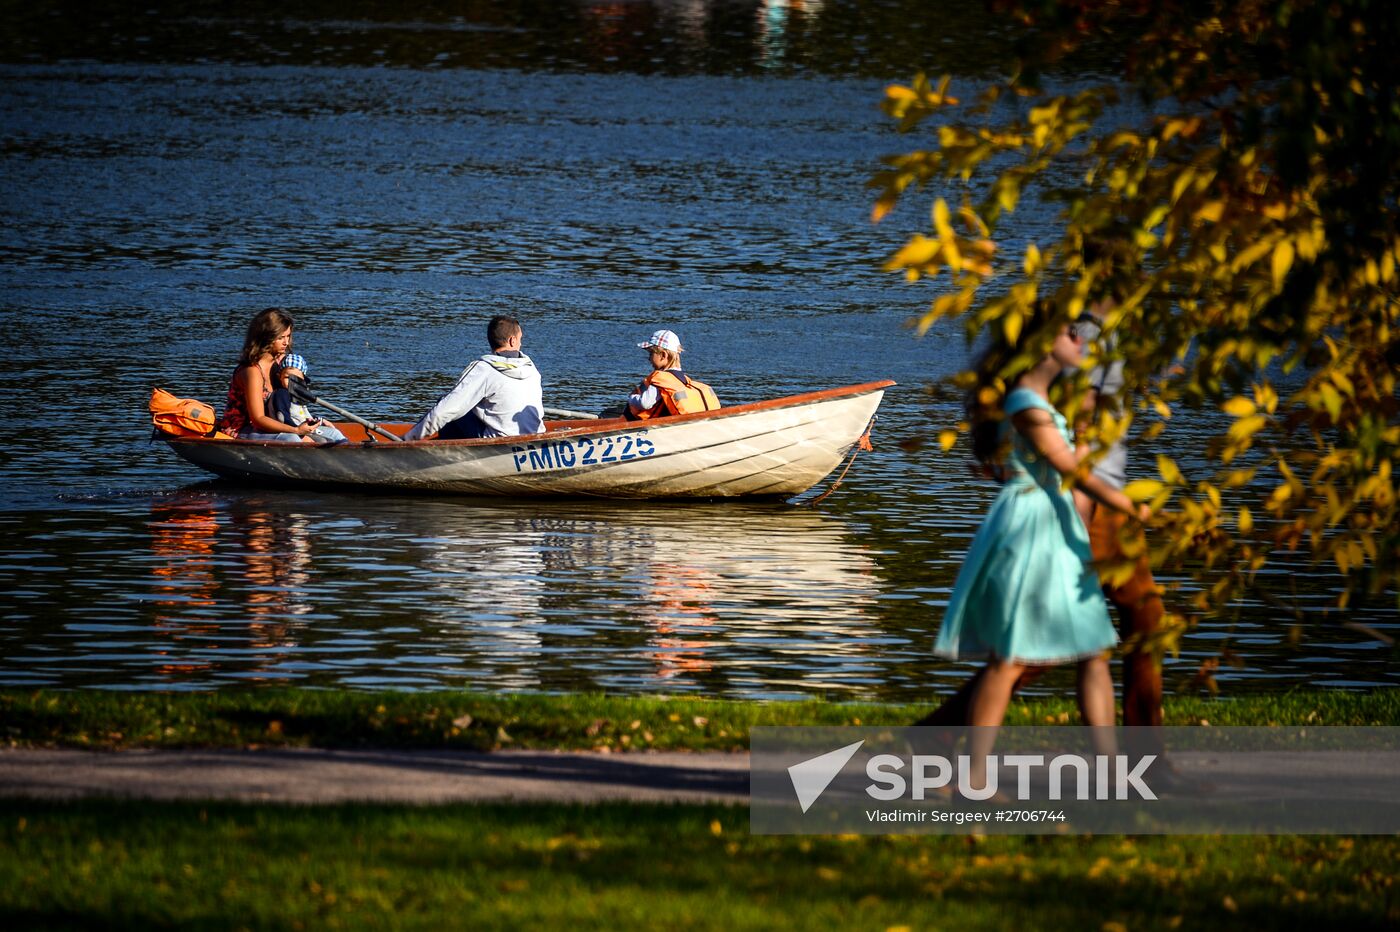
(288, 410)
(668, 390)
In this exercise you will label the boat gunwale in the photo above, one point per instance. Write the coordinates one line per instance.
(584, 428)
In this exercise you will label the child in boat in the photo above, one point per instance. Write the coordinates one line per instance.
(246, 413)
(668, 390)
(288, 410)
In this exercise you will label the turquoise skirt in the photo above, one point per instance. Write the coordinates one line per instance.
(1026, 591)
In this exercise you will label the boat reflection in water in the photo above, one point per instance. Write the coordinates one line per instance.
(410, 592)
(719, 596)
(210, 557)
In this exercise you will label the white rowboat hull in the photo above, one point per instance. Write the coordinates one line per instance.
(772, 448)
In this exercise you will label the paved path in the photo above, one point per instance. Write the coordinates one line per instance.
(320, 776)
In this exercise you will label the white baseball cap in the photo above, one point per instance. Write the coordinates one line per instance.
(663, 339)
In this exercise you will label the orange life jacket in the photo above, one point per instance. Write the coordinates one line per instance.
(677, 397)
(183, 417)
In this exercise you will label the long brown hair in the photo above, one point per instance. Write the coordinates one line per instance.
(265, 327)
(997, 368)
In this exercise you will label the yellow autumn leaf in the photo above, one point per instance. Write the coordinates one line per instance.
(1212, 493)
(1246, 427)
(1117, 573)
(1238, 477)
(941, 219)
(920, 250)
(946, 439)
(1007, 195)
(942, 94)
(1265, 397)
(1032, 263)
(1331, 400)
(1282, 262)
(1159, 501)
(1142, 489)
(1248, 256)
(1169, 471)
(1239, 406)
(952, 255)
(1011, 327)
(1210, 211)
(1246, 520)
(973, 221)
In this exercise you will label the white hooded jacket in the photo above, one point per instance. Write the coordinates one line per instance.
(504, 391)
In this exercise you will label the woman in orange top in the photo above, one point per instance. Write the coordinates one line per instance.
(668, 390)
(246, 415)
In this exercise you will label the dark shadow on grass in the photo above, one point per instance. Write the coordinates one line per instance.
(344, 775)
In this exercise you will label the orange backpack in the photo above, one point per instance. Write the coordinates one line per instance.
(183, 417)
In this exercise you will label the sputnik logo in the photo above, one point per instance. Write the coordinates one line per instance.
(811, 777)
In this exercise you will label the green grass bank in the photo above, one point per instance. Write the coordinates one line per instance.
(477, 721)
(116, 865)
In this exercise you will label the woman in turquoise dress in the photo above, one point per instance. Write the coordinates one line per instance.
(1027, 594)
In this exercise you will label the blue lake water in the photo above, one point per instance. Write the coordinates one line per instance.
(393, 184)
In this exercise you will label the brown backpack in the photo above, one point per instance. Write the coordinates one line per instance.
(184, 417)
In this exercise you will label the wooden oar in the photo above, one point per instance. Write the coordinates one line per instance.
(570, 415)
(301, 392)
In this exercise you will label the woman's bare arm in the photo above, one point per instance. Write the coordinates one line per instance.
(257, 413)
(1044, 436)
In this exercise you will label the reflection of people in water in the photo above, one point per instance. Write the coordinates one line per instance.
(276, 557)
(183, 537)
(184, 533)
(676, 601)
(273, 560)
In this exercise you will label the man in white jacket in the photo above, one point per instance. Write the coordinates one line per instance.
(497, 395)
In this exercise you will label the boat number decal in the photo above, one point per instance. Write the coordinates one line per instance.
(582, 451)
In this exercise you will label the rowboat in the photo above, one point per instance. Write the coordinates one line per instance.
(779, 447)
